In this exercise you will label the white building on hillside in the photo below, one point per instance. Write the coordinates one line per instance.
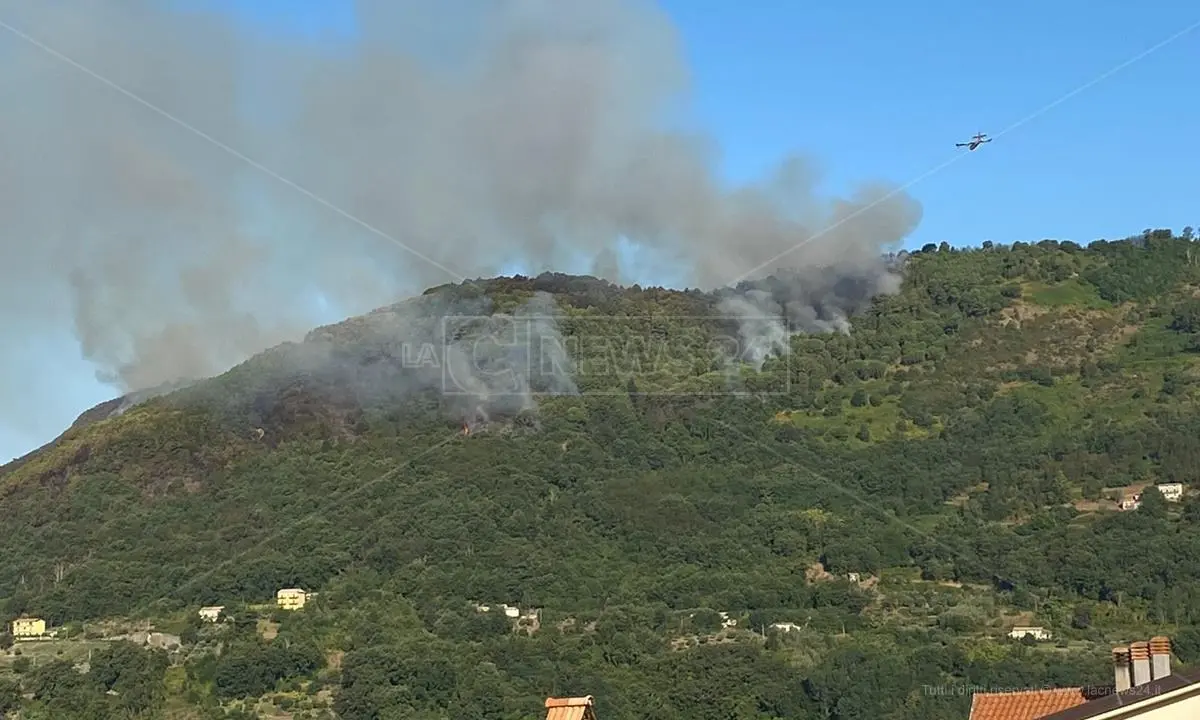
(1035, 632)
(1173, 492)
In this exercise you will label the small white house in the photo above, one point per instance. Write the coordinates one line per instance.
(1023, 631)
(511, 611)
(1173, 492)
(211, 613)
(785, 626)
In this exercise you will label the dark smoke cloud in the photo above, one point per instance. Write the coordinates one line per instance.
(480, 363)
(476, 132)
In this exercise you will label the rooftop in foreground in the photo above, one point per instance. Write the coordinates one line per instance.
(574, 708)
(1025, 705)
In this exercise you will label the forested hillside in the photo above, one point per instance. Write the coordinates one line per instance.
(960, 452)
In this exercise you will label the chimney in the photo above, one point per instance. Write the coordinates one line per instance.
(1121, 668)
(1160, 656)
(1139, 653)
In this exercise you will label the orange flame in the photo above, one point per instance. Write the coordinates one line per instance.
(466, 429)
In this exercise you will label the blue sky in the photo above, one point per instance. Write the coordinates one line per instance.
(883, 90)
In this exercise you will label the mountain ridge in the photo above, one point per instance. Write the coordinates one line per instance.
(960, 448)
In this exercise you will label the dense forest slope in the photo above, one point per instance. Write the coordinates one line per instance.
(961, 450)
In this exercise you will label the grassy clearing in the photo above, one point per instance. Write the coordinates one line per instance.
(1068, 292)
(1156, 344)
(40, 652)
(882, 422)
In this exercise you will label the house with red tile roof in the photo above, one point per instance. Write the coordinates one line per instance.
(1024, 705)
(1144, 688)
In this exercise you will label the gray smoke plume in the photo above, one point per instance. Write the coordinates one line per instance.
(477, 133)
(481, 362)
(500, 366)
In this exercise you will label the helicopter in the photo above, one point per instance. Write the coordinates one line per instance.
(975, 142)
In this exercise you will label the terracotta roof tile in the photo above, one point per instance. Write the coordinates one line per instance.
(1027, 705)
(1132, 697)
(576, 708)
